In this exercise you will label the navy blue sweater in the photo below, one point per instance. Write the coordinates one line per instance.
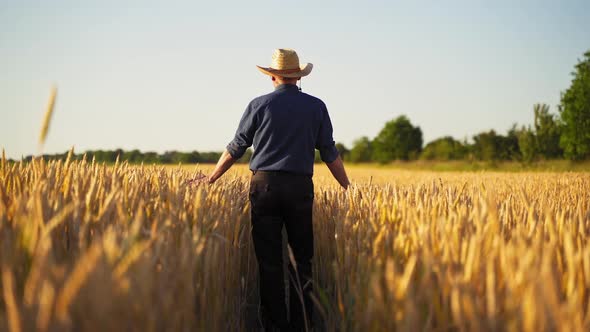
(285, 127)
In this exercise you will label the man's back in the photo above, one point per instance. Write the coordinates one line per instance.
(285, 127)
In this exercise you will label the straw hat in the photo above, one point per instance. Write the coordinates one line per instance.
(285, 63)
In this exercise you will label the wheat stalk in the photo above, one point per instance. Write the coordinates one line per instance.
(76, 280)
(47, 297)
(48, 115)
(14, 322)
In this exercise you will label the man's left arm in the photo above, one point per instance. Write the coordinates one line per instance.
(337, 169)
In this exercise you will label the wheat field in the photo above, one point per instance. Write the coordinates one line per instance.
(93, 247)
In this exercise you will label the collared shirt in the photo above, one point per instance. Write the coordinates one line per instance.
(285, 127)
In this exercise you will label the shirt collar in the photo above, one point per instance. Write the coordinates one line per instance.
(287, 87)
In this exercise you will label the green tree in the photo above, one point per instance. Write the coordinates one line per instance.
(210, 157)
(508, 145)
(547, 132)
(575, 113)
(485, 146)
(490, 146)
(399, 139)
(180, 157)
(150, 157)
(133, 156)
(195, 157)
(98, 155)
(444, 148)
(361, 150)
(527, 144)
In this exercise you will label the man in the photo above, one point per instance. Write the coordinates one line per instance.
(285, 127)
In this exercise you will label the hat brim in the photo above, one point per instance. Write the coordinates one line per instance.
(303, 70)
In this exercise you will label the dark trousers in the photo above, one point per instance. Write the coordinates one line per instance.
(281, 199)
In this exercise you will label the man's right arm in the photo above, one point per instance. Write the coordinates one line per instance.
(328, 152)
(337, 169)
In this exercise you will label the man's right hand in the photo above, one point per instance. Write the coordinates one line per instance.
(337, 169)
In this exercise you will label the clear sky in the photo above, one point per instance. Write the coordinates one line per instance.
(177, 75)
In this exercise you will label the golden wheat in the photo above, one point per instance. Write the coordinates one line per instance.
(91, 247)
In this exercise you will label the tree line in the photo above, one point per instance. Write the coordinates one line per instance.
(138, 157)
(400, 140)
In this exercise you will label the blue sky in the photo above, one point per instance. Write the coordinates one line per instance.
(177, 75)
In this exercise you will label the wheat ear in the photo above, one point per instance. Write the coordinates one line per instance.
(47, 118)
